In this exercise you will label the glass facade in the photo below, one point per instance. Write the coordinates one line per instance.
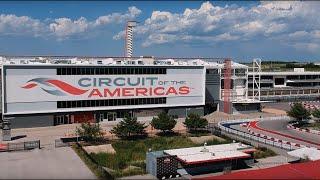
(110, 70)
(110, 102)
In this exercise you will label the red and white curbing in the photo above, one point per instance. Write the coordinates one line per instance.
(275, 140)
(268, 139)
(290, 126)
(3, 146)
(244, 124)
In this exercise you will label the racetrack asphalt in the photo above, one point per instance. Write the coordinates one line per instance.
(280, 126)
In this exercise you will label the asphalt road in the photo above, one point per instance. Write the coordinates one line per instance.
(281, 127)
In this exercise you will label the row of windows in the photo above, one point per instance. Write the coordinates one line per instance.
(303, 77)
(290, 77)
(110, 70)
(110, 102)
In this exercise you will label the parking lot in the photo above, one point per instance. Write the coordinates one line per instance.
(59, 163)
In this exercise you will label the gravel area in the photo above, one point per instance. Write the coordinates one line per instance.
(203, 139)
(106, 148)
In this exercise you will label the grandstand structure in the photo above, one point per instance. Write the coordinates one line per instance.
(53, 90)
(286, 85)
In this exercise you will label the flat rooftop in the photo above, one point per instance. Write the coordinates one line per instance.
(286, 73)
(213, 153)
(311, 153)
(213, 63)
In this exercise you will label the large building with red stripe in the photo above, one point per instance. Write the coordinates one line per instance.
(46, 91)
(53, 90)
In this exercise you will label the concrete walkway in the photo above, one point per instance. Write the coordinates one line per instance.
(48, 135)
(60, 163)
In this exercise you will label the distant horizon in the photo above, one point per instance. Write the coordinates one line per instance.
(235, 60)
(240, 30)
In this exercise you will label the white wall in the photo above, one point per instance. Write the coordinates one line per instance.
(36, 99)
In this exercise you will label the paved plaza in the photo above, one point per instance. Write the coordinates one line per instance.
(59, 163)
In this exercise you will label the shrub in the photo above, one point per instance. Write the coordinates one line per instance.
(163, 122)
(316, 113)
(298, 112)
(90, 132)
(263, 152)
(128, 128)
(193, 122)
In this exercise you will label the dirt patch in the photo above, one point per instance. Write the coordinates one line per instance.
(203, 139)
(216, 117)
(106, 148)
(274, 111)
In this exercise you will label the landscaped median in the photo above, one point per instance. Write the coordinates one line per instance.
(130, 155)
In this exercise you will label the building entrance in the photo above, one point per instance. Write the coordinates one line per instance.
(111, 116)
(61, 119)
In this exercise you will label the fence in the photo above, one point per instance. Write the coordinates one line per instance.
(224, 126)
(66, 142)
(20, 146)
(60, 143)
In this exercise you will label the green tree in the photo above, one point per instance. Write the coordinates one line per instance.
(90, 132)
(163, 122)
(128, 128)
(299, 112)
(193, 122)
(316, 113)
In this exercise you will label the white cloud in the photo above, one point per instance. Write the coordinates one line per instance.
(311, 47)
(298, 34)
(61, 28)
(159, 39)
(226, 37)
(65, 27)
(282, 21)
(16, 25)
(132, 13)
(292, 23)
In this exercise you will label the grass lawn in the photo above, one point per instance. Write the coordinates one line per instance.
(130, 155)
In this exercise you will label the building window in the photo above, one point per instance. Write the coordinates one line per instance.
(212, 71)
(110, 70)
(110, 102)
(279, 81)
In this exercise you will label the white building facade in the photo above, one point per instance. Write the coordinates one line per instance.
(45, 91)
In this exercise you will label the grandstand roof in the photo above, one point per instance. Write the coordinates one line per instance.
(214, 153)
(307, 170)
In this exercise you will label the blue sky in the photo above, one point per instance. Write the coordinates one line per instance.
(241, 30)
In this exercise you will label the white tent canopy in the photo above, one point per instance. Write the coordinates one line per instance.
(310, 153)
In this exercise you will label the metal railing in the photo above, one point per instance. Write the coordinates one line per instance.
(60, 143)
(20, 146)
(66, 142)
(261, 139)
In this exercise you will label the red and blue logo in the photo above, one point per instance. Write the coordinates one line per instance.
(54, 87)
